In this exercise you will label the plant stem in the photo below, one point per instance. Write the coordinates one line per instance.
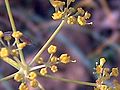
(11, 62)
(14, 29)
(48, 42)
(71, 81)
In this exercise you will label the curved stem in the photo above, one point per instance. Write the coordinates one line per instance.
(71, 81)
(48, 42)
(14, 29)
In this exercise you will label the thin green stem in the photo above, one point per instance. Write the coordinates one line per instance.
(8, 77)
(11, 62)
(71, 81)
(14, 28)
(48, 42)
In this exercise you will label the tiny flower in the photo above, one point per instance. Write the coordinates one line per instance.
(81, 11)
(53, 59)
(18, 77)
(102, 61)
(115, 72)
(57, 3)
(1, 34)
(87, 15)
(54, 68)
(52, 49)
(71, 20)
(57, 15)
(14, 52)
(22, 45)
(43, 71)
(34, 83)
(64, 58)
(23, 86)
(99, 69)
(103, 87)
(4, 52)
(32, 75)
(81, 20)
(40, 60)
(17, 34)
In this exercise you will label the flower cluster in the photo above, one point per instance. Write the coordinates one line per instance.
(8, 48)
(70, 14)
(53, 61)
(105, 74)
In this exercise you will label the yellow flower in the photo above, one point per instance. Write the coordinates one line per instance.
(32, 75)
(52, 49)
(57, 15)
(40, 60)
(103, 87)
(71, 20)
(1, 34)
(57, 3)
(87, 15)
(4, 52)
(34, 83)
(64, 58)
(17, 34)
(99, 69)
(43, 71)
(54, 68)
(102, 61)
(53, 59)
(15, 52)
(115, 72)
(81, 11)
(18, 77)
(23, 86)
(81, 20)
(22, 45)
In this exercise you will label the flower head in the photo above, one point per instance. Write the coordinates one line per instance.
(115, 72)
(52, 49)
(18, 77)
(4, 52)
(22, 45)
(71, 20)
(32, 75)
(23, 86)
(17, 34)
(57, 3)
(34, 83)
(54, 68)
(81, 20)
(64, 58)
(1, 34)
(102, 61)
(57, 15)
(43, 71)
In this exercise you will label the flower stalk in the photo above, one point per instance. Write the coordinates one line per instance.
(71, 81)
(48, 42)
(14, 28)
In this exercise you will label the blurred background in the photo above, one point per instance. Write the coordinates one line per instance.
(84, 44)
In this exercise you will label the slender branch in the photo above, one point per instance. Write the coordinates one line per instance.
(37, 67)
(48, 42)
(40, 86)
(11, 62)
(71, 81)
(14, 28)
(8, 77)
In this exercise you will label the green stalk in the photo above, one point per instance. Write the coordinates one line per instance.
(71, 81)
(14, 29)
(48, 42)
(11, 62)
